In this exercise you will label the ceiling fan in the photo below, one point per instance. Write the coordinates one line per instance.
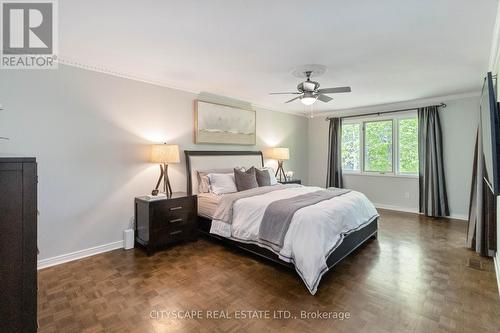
(309, 91)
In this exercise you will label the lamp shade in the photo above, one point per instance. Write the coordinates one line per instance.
(279, 154)
(164, 153)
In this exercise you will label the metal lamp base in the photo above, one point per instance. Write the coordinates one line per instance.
(167, 189)
(280, 171)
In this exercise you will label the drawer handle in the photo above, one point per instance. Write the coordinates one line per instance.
(175, 220)
(176, 232)
(176, 208)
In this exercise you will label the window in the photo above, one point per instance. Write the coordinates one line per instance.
(408, 145)
(350, 147)
(381, 145)
(378, 146)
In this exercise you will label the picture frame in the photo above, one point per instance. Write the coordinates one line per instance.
(224, 124)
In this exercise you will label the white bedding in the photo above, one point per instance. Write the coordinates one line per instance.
(315, 231)
(207, 204)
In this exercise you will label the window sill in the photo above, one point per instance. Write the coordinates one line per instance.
(370, 174)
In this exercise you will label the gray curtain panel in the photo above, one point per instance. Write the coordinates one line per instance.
(476, 217)
(334, 168)
(481, 231)
(432, 183)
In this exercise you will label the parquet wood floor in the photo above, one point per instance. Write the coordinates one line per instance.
(416, 277)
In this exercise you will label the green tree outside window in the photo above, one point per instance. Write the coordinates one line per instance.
(378, 146)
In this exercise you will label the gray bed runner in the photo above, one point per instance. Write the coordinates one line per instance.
(279, 214)
(224, 211)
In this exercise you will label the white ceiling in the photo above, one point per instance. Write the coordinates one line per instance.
(386, 50)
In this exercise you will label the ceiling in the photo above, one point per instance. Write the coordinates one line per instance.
(387, 50)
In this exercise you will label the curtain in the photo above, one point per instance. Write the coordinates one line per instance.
(476, 220)
(432, 183)
(481, 230)
(334, 168)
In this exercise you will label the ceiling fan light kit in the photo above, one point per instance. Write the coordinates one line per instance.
(308, 99)
(309, 91)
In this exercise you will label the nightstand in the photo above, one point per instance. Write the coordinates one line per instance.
(165, 221)
(290, 181)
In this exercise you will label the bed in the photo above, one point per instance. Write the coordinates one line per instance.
(304, 248)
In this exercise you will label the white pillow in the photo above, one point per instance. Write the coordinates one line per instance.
(204, 182)
(221, 183)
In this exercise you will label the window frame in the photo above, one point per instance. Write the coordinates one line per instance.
(395, 118)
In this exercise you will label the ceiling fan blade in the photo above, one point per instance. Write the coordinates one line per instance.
(293, 99)
(285, 93)
(334, 90)
(324, 98)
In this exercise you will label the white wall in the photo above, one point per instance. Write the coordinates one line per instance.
(91, 134)
(318, 151)
(494, 67)
(459, 124)
(391, 192)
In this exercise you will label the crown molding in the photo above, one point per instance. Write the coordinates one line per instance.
(163, 84)
(340, 112)
(122, 74)
(416, 103)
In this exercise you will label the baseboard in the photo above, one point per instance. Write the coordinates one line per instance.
(496, 261)
(396, 208)
(415, 211)
(57, 260)
(459, 217)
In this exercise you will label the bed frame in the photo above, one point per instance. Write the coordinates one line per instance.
(351, 242)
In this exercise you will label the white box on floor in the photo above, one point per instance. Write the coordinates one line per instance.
(128, 239)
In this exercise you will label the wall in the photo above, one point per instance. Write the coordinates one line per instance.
(318, 151)
(494, 67)
(459, 125)
(390, 192)
(458, 120)
(91, 134)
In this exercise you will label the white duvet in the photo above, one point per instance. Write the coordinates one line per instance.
(315, 231)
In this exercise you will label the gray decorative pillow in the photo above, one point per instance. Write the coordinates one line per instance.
(245, 180)
(263, 177)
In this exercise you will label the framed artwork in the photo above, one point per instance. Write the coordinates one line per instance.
(223, 124)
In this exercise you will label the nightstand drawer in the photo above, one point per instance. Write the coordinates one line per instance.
(173, 210)
(174, 220)
(172, 235)
(162, 221)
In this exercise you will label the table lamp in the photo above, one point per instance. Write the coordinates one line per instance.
(164, 154)
(279, 154)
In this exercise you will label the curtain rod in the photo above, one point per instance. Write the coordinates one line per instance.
(442, 105)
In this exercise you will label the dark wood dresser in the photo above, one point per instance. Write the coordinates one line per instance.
(18, 244)
(162, 222)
